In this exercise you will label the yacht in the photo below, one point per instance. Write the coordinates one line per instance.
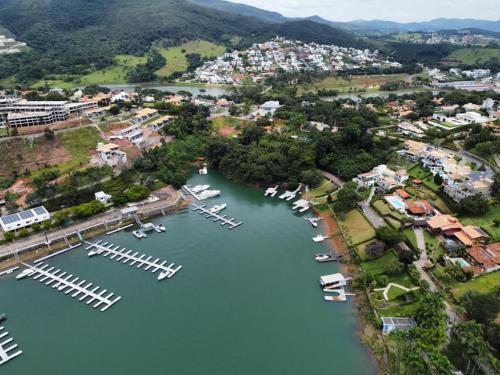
(161, 227)
(203, 171)
(163, 275)
(313, 221)
(217, 208)
(199, 188)
(27, 272)
(139, 234)
(205, 194)
(319, 238)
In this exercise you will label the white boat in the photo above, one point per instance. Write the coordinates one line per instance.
(319, 238)
(163, 275)
(321, 257)
(217, 208)
(139, 234)
(199, 188)
(203, 171)
(93, 252)
(27, 272)
(161, 227)
(205, 194)
(314, 221)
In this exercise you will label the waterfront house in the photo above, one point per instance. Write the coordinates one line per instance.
(24, 219)
(382, 177)
(419, 208)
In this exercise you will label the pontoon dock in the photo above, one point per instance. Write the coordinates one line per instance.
(230, 222)
(135, 258)
(6, 352)
(271, 192)
(68, 283)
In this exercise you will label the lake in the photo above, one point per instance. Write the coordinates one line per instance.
(247, 301)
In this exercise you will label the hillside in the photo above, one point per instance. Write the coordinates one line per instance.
(75, 38)
(242, 9)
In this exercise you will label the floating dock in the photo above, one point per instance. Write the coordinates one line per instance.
(60, 280)
(289, 195)
(136, 259)
(271, 192)
(231, 224)
(301, 204)
(7, 352)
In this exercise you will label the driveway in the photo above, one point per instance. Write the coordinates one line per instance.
(372, 216)
(419, 264)
(336, 180)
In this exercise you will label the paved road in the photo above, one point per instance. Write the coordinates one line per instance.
(336, 180)
(11, 248)
(419, 264)
(372, 216)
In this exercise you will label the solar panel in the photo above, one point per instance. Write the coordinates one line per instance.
(26, 214)
(9, 219)
(40, 210)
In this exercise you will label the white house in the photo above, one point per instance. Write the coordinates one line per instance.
(110, 153)
(102, 197)
(270, 107)
(24, 219)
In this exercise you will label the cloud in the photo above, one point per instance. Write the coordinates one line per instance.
(391, 10)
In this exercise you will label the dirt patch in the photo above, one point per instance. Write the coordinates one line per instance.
(227, 132)
(20, 155)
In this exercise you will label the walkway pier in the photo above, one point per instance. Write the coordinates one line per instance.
(189, 191)
(301, 204)
(135, 258)
(7, 351)
(230, 222)
(63, 282)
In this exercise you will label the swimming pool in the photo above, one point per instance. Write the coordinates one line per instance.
(460, 261)
(395, 202)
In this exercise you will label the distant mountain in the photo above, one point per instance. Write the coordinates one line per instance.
(242, 9)
(433, 25)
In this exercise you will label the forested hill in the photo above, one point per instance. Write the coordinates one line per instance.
(78, 36)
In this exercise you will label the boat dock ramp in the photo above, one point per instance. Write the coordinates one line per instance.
(301, 204)
(60, 280)
(271, 192)
(133, 259)
(7, 352)
(231, 224)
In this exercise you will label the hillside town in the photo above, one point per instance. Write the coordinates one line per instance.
(266, 59)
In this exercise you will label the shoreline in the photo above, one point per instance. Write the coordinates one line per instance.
(364, 330)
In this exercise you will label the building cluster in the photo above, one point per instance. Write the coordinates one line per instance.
(383, 178)
(459, 39)
(28, 116)
(266, 59)
(10, 45)
(459, 180)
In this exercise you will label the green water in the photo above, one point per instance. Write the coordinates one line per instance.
(247, 301)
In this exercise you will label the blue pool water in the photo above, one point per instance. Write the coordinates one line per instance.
(395, 202)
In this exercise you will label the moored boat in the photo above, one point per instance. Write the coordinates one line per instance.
(161, 227)
(25, 273)
(139, 234)
(199, 188)
(205, 194)
(3, 317)
(319, 238)
(217, 208)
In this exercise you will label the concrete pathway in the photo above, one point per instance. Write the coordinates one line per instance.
(394, 285)
(336, 180)
(372, 216)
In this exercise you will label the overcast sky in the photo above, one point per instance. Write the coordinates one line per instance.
(390, 10)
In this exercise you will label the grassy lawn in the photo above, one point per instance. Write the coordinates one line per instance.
(432, 244)
(323, 189)
(358, 227)
(393, 223)
(486, 222)
(366, 82)
(382, 207)
(418, 172)
(475, 55)
(116, 73)
(482, 284)
(379, 265)
(226, 122)
(78, 142)
(405, 310)
(176, 56)
(410, 236)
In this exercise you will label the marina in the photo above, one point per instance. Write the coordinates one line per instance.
(7, 347)
(231, 224)
(289, 195)
(302, 205)
(200, 192)
(136, 259)
(85, 291)
(264, 329)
